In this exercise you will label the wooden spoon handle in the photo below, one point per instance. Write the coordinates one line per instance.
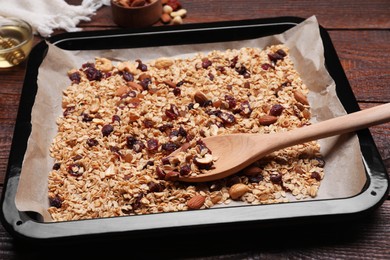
(337, 126)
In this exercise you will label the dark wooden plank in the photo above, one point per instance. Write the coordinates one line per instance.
(365, 56)
(367, 237)
(331, 13)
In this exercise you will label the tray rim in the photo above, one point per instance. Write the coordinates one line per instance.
(22, 226)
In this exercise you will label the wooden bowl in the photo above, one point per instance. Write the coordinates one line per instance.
(136, 17)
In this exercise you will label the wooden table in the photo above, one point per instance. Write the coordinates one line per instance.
(360, 31)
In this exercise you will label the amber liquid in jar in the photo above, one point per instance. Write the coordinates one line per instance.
(12, 36)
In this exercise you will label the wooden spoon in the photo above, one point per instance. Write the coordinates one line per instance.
(237, 151)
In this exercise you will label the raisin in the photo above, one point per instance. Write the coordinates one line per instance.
(185, 169)
(93, 74)
(176, 91)
(130, 141)
(138, 146)
(155, 187)
(231, 101)
(227, 118)
(245, 109)
(233, 62)
(160, 173)
(141, 66)
(86, 117)
(76, 169)
(255, 179)
(206, 63)
(169, 147)
(148, 123)
(276, 110)
(266, 66)
(276, 178)
(115, 118)
(137, 203)
(127, 76)
(75, 77)
(107, 130)
(243, 71)
(316, 175)
(55, 202)
(56, 166)
(152, 144)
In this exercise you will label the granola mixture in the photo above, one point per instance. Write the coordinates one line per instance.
(121, 121)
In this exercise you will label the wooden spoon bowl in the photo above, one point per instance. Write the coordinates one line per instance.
(237, 151)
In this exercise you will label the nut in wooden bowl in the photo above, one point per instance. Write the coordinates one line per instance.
(136, 13)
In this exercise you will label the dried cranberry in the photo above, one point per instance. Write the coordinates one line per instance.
(138, 146)
(243, 71)
(93, 74)
(276, 110)
(245, 109)
(107, 130)
(56, 166)
(155, 187)
(148, 163)
(175, 4)
(278, 55)
(152, 144)
(160, 173)
(76, 169)
(172, 112)
(141, 66)
(266, 66)
(165, 127)
(68, 111)
(227, 118)
(55, 202)
(92, 142)
(169, 147)
(182, 132)
(176, 91)
(206, 63)
(276, 178)
(316, 175)
(75, 77)
(127, 76)
(231, 101)
(137, 203)
(86, 117)
(185, 169)
(115, 149)
(281, 52)
(148, 123)
(233, 62)
(145, 83)
(115, 118)
(211, 76)
(130, 141)
(165, 160)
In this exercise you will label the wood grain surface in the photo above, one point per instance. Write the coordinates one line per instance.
(360, 32)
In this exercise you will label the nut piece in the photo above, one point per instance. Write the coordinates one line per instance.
(267, 120)
(196, 202)
(200, 98)
(252, 170)
(237, 190)
(163, 63)
(301, 98)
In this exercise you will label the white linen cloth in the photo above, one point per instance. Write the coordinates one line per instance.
(46, 15)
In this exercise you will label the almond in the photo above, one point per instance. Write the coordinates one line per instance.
(121, 91)
(300, 97)
(135, 86)
(196, 202)
(252, 171)
(165, 18)
(200, 98)
(237, 190)
(267, 120)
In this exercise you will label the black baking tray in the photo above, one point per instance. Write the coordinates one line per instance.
(25, 226)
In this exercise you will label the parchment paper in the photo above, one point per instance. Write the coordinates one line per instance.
(344, 170)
